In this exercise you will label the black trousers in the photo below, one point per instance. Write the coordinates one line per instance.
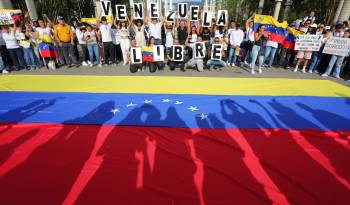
(135, 67)
(153, 66)
(109, 52)
(68, 53)
(17, 57)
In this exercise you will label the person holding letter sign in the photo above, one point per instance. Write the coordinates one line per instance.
(105, 32)
(217, 54)
(135, 57)
(176, 57)
(198, 55)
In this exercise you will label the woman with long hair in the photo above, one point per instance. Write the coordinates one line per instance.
(258, 49)
(153, 65)
(123, 30)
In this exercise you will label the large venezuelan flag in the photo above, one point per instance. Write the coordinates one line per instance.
(276, 29)
(166, 140)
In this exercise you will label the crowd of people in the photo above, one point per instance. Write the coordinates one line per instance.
(34, 44)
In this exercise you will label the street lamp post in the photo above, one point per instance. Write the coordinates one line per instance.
(277, 9)
(261, 6)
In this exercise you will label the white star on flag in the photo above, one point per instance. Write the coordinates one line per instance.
(147, 101)
(166, 100)
(131, 105)
(203, 116)
(178, 102)
(193, 108)
(114, 111)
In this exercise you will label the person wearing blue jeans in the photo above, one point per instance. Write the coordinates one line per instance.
(338, 61)
(91, 39)
(29, 57)
(258, 49)
(315, 61)
(270, 52)
(2, 66)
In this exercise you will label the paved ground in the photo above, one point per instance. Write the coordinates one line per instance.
(236, 72)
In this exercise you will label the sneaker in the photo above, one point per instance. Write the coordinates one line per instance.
(295, 70)
(260, 71)
(84, 63)
(252, 72)
(5, 71)
(91, 65)
(100, 65)
(324, 75)
(233, 65)
(337, 76)
(303, 70)
(310, 71)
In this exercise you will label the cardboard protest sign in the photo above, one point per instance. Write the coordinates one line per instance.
(158, 53)
(136, 55)
(206, 19)
(337, 46)
(154, 11)
(138, 11)
(194, 13)
(6, 18)
(216, 51)
(182, 10)
(308, 42)
(199, 50)
(178, 53)
(106, 8)
(222, 18)
(121, 12)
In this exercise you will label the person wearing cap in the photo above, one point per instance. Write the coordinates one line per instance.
(65, 37)
(306, 55)
(14, 49)
(105, 32)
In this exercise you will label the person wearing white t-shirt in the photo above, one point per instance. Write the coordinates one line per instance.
(14, 49)
(236, 38)
(270, 52)
(155, 29)
(82, 48)
(106, 36)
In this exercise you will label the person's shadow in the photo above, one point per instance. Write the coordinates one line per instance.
(19, 114)
(224, 166)
(49, 172)
(331, 152)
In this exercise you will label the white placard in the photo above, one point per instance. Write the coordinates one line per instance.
(216, 51)
(154, 11)
(222, 18)
(194, 10)
(6, 18)
(170, 16)
(337, 46)
(158, 53)
(121, 12)
(308, 42)
(199, 50)
(106, 8)
(206, 18)
(178, 53)
(136, 55)
(182, 10)
(138, 11)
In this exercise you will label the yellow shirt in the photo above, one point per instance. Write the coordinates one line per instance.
(64, 32)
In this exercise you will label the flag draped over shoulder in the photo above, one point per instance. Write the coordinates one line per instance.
(275, 28)
(289, 41)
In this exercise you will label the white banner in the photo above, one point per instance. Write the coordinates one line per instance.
(308, 42)
(6, 18)
(337, 46)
